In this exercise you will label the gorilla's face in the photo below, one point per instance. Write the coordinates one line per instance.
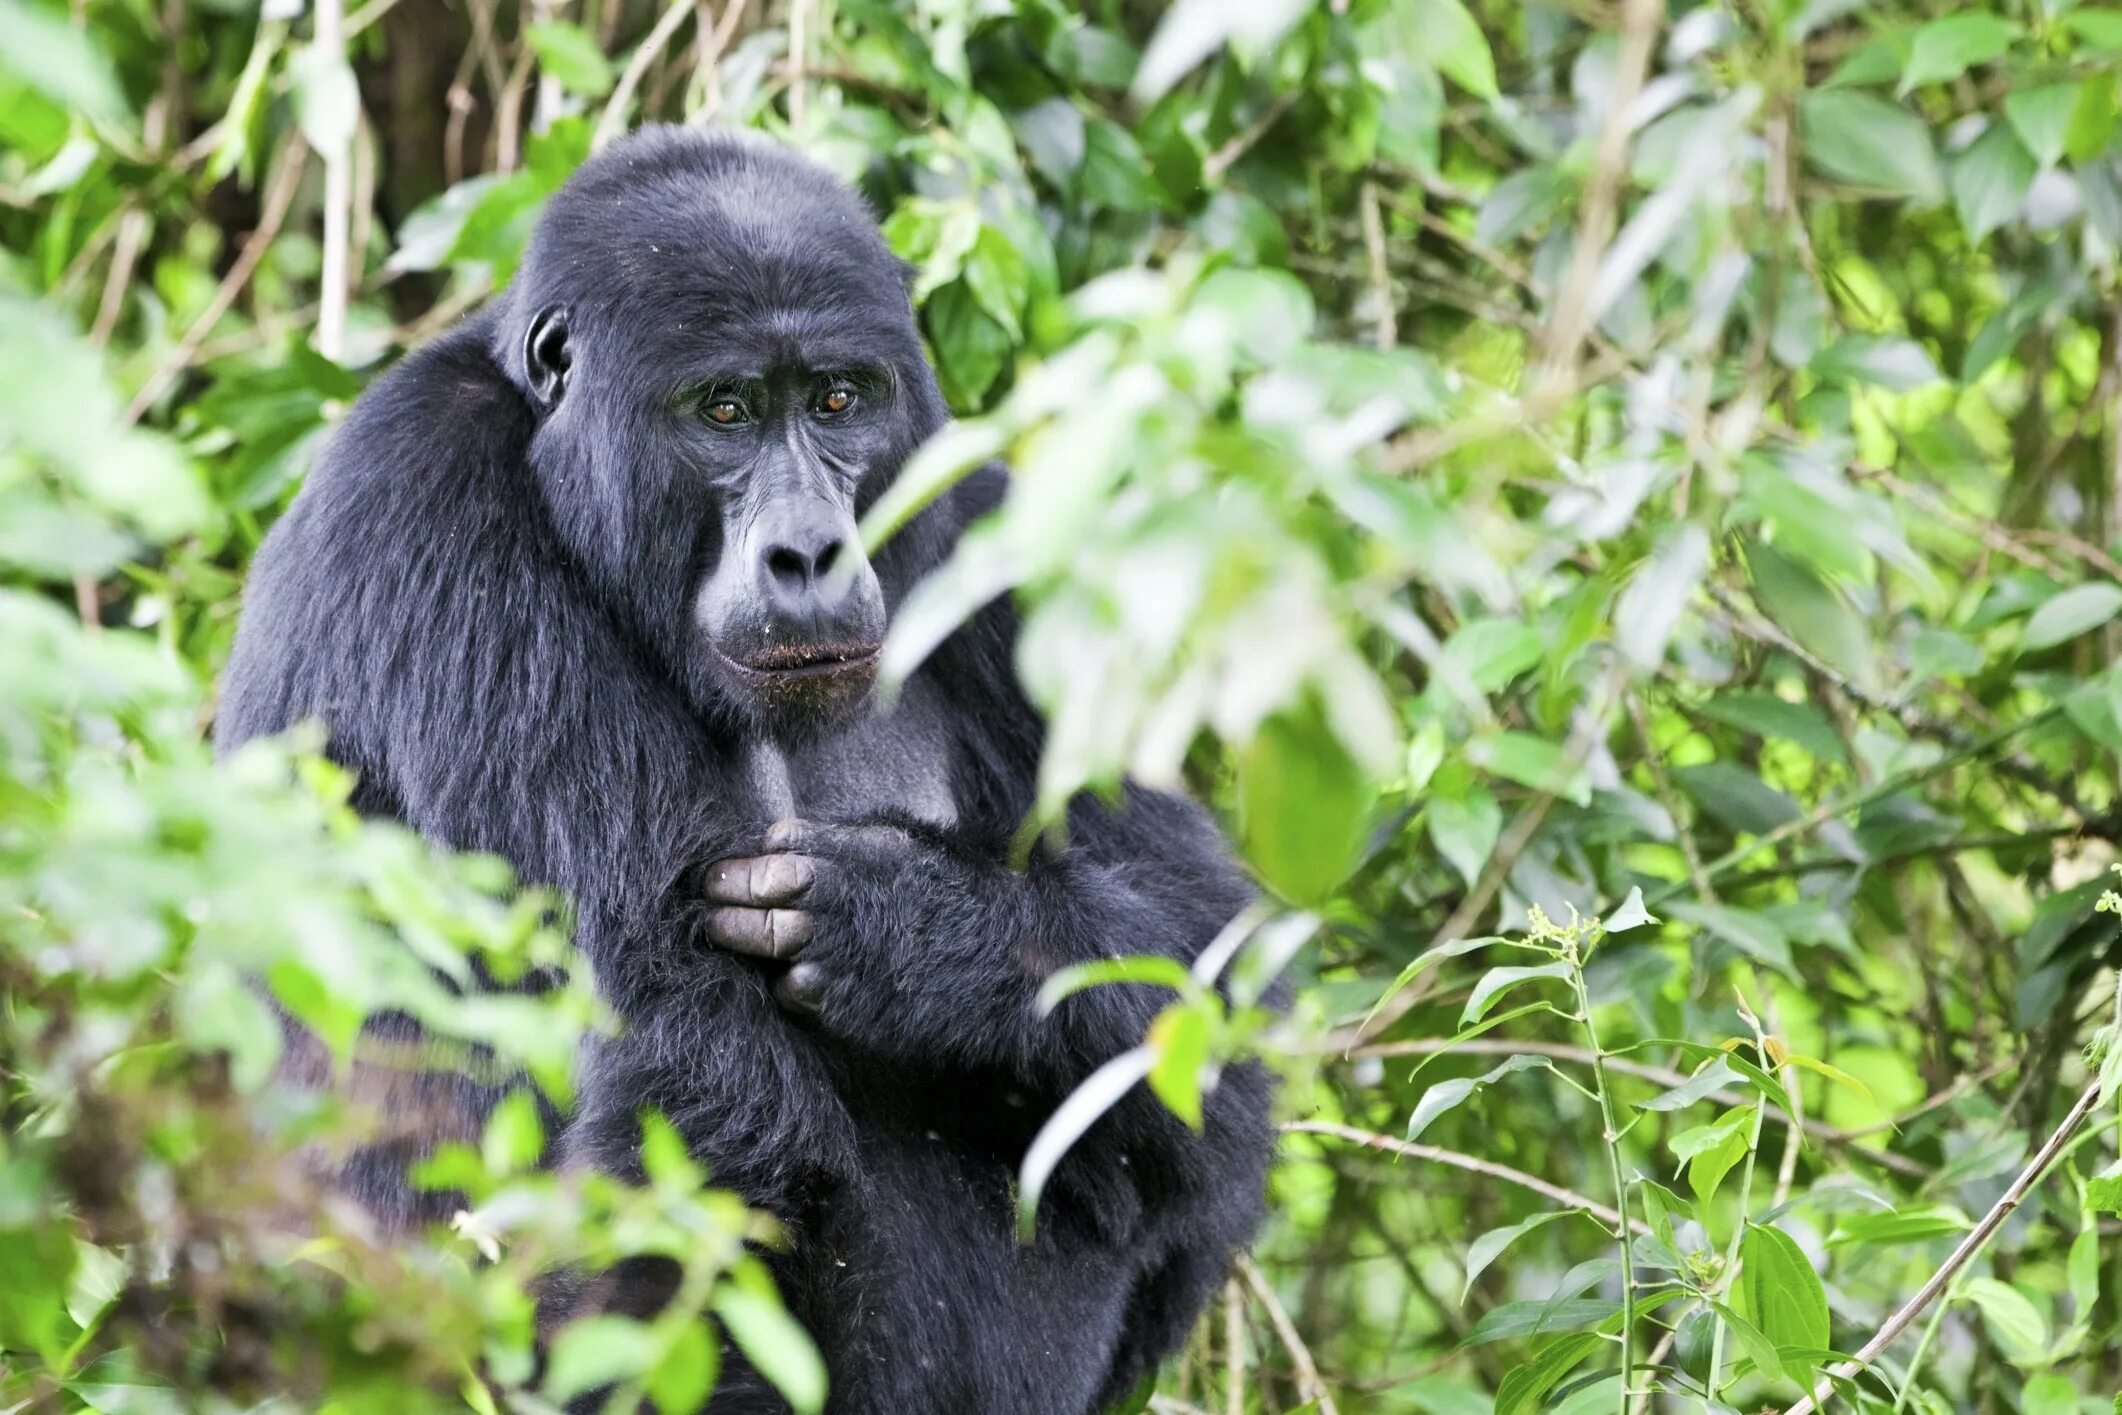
(728, 374)
(791, 613)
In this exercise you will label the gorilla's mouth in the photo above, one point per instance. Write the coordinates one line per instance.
(783, 663)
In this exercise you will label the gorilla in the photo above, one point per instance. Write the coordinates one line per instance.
(579, 584)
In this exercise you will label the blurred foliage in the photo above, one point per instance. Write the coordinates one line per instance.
(1656, 466)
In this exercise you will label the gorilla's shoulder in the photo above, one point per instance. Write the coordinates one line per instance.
(444, 411)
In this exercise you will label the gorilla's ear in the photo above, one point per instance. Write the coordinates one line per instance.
(545, 355)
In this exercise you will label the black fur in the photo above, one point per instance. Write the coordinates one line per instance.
(491, 591)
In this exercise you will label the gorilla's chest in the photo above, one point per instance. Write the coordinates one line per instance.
(879, 764)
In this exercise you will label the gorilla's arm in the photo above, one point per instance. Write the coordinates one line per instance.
(416, 600)
(918, 951)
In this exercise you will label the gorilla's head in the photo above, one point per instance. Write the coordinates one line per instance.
(723, 361)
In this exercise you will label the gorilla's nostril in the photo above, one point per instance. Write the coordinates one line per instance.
(788, 567)
(827, 556)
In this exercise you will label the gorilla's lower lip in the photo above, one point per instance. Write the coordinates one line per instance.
(783, 662)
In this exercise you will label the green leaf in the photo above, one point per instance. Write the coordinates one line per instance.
(2014, 1323)
(1464, 826)
(2042, 118)
(1180, 1038)
(1532, 761)
(1649, 609)
(686, 1374)
(1814, 613)
(1446, 1095)
(598, 1351)
(1303, 804)
(326, 99)
(1753, 934)
(1730, 1139)
(1512, 1320)
(567, 53)
(1782, 1295)
(1191, 30)
(2076, 611)
(1945, 49)
(1753, 1343)
(1528, 1381)
(1866, 141)
(1452, 41)
(1766, 715)
(970, 345)
(1716, 1076)
(1497, 981)
(1632, 914)
(60, 61)
(1990, 181)
(1490, 1245)
(779, 1349)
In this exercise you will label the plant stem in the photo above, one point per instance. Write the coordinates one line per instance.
(1610, 1136)
(1970, 1246)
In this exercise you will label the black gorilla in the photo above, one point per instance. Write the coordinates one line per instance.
(579, 584)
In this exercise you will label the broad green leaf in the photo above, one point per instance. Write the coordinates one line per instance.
(327, 101)
(1631, 915)
(1512, 1320)
(597, 1351)
(1752, 1343)
(1706, 1169)
(1901, 1226)
(1781, 1294)
(1990, 181)
(1947, 48)
(1452, 40)
(2042, 118)
(571, 57)
(1490, 1245)
(60, 61)
(1497, 981)
(1303, 804)
(776, 1346)
(1465, 826)
(1649, 609)
(2014, 1323)
(1866, 141)
(2076, 611)
(1766, 715)
(686, 1374)
(1716, 1076)
(1531, 761)
(1180, 1038)
(1446, 1095)
(1528, 1381)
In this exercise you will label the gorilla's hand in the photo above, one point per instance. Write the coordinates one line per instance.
(808, 882)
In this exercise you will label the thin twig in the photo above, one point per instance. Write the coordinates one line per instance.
(614, 116)
(1219, 161)
(1602, 190)
(1309, 1386)
(330, 41)
(1473, 1164)
(1233, 1347)
(1970, 1246)
(278, 199)
(1381, 284)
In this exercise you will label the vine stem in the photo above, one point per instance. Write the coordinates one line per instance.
(1610, 1136)
(1970, 1246)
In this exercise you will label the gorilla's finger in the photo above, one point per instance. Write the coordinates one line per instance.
(801, 989)
(762, 882)
(873, 842)
(760, 933)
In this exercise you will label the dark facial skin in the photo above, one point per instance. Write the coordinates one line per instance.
(790, 616)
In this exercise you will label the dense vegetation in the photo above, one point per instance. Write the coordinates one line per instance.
(1618, 502)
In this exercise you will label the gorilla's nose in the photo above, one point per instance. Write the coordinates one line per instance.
(809, 559)
(799, 564)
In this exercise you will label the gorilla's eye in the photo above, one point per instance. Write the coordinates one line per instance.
(836, 400)
(723, 412)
